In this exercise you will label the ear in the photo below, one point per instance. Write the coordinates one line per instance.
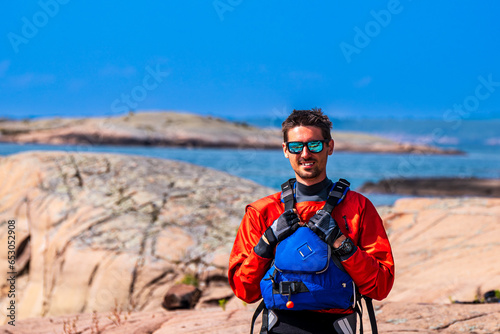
(285, 152)
(331, 144)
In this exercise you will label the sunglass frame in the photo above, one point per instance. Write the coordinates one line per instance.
(323, 143)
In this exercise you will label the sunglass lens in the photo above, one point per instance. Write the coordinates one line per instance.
(315, 146)
(295, 147)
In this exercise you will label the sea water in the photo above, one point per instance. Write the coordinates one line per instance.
(270, 168)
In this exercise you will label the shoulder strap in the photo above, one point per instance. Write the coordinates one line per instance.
(371, 314)
(336, 195)
(260, 308)
(287, 195)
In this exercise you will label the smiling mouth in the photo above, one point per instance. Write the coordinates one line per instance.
(307, 163)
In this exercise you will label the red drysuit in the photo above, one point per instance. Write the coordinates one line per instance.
(371, 266)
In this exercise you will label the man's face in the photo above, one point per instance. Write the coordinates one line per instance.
(309, 168)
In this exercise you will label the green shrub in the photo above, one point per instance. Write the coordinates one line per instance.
(190, 279)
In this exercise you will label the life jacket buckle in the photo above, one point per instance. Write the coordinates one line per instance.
(288, 288)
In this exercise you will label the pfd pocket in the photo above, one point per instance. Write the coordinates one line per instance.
(302, 252)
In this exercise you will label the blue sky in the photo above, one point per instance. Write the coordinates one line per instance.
(235, 58)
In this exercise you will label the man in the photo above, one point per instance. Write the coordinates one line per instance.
(356, 233)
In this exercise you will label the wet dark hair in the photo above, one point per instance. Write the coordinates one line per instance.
(313, 117)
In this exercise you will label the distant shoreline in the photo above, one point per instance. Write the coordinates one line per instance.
(171, 129)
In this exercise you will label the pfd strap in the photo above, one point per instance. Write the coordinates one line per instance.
(260, 308)
(336, 195)
(286, 288)
(287, 195)
(371, 314)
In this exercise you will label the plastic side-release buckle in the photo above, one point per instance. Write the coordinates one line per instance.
(287, 288)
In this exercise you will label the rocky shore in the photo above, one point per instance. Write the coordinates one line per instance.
(446, 186)
(102, 238)
(402, 317)
(181, 129)
(95, 231)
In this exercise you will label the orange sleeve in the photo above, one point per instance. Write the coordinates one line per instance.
(372, 265)
(246, 269)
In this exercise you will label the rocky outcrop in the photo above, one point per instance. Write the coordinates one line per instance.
(367, 143)
(146, 129)
(94, 231)
(446, 186)
(113, 233)
(445, 249)
(181, 129)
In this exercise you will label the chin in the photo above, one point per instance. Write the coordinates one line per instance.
(308, 176)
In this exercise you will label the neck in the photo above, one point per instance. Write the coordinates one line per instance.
(312, 189)
(311, 182)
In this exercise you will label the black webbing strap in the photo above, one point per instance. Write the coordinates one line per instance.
(286, 288)
(287, 195)
(371, 314)
(260, 308)
(359, 310)
(336, 195)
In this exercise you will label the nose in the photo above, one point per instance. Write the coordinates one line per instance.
(305, 152)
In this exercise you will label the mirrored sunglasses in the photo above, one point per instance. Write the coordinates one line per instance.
(314, 146)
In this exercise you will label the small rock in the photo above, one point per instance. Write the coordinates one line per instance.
(181, 296)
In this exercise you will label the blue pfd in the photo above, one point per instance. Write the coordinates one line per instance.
(304, 274)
